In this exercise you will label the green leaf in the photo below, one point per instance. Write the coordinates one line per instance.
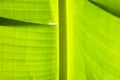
(36, 11)
(94, 40)
(108, 5)
(28, 40)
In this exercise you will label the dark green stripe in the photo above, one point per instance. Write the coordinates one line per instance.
(63, 40)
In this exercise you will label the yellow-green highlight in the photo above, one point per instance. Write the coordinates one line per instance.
(93, 42)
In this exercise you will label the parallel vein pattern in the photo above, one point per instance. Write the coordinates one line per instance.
(28, 40)
(28, 53)
(36, 11)
(95, 48)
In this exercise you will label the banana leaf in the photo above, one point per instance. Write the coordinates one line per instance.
(28, 40)
(34, 11)
(93, 40)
